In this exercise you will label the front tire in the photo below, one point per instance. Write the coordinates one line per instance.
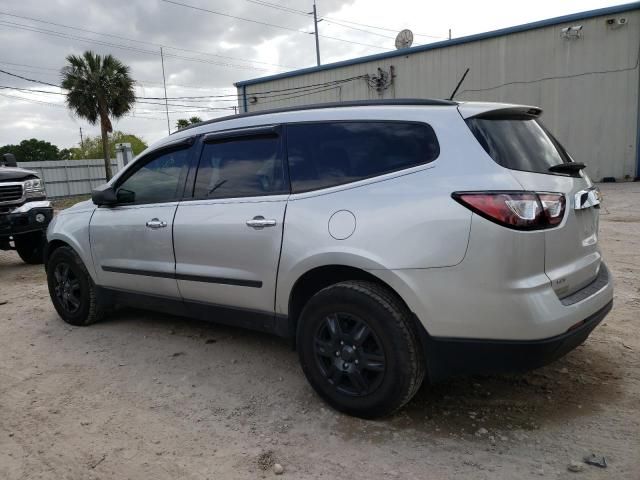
(71, 288)
(30, 247)
(359, 349)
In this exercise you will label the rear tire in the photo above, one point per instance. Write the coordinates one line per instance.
(71, 288)
(30, 247)
(359, 350)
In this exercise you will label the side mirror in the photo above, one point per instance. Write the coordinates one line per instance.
(104, 195)
(9, 160)
(125, 196)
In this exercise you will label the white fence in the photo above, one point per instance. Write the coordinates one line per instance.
(66, 178)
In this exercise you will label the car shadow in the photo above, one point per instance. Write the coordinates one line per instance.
(573, 386)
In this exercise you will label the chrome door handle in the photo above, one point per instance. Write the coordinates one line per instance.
(155, 223)
(260, 222)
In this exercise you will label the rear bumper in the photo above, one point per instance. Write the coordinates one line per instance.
(454, 356)
(24, 219)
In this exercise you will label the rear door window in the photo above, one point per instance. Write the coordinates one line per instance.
(322, 155)
(518, 142)
(241, 167)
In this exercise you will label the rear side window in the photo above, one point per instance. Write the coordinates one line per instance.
(241, 167)
(322, 155)
(518, 143)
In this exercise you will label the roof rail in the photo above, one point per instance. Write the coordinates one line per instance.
(317, 106)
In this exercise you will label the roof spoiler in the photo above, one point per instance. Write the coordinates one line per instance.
(486, 110)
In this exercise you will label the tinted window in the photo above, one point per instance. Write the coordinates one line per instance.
(325, 154)
(159, 180)
(518, 143)
(241, 167)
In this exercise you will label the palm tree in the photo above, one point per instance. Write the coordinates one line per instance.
(99, 87)
(184, 123)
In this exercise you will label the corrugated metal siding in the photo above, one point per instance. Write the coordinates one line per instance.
(594, 111)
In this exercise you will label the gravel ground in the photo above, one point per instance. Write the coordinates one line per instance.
(144, 396)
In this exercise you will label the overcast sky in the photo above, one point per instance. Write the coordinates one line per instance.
(205, 52)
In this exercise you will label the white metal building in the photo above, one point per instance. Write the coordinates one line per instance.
(582, 69)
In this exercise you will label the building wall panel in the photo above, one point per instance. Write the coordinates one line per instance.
(587, 87)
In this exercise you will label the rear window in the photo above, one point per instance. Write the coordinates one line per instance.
(518, 143)
(322, 155)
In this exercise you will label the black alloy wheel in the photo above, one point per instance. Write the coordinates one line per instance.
(349, 354)
(358, 347)
(67, 288)
(72, 291)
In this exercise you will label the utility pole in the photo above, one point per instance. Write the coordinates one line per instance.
(81, 140)
(164, 82)
(315, 23)
(449, 34)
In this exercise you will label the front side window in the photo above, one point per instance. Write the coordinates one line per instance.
(322, 155)
(158, 180)
(241, 167)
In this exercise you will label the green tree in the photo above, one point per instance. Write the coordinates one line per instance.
(100, 88)
(32, 150)
(92, 146)
(66, 154)
(184, 123)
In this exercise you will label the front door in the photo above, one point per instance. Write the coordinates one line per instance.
(131, 243)
(227, 239)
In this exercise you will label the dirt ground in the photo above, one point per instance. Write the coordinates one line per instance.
(146, 396)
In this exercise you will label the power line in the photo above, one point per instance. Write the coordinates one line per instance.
(380, 28)
(54, 33)
(199, 97)
(558, 77)
(138, 100)
(282, 96)
(30, 66)
(273, 25)
(280, 7)
(332, 87)
(142, 82)
(333, 22)
(57, 105)
(33, 19)
(28, 79)
(326, 19)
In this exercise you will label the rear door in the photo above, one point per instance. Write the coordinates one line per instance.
(227, 239)
(515, 139)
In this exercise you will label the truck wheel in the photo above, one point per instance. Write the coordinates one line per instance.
(71, 288)
(30, 247)
(359, 349)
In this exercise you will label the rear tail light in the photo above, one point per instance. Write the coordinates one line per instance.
(517, 210)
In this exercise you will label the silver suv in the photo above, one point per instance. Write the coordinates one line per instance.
(390, 240)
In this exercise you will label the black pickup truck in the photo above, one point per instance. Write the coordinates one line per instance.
(25, 212)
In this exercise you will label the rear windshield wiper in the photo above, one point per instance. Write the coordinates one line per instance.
(570, 167)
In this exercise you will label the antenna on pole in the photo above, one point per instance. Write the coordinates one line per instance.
(164, 82)
(315, 23)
